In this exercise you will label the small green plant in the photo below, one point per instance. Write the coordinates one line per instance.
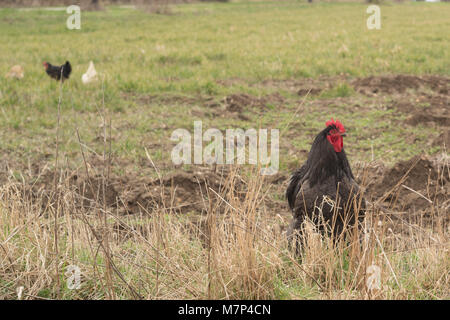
(342, 90)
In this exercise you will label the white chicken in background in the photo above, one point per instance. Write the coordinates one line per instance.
(90, 75)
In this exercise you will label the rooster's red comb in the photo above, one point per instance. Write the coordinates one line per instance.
(337, 124)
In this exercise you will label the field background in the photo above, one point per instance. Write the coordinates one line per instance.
(242, 64)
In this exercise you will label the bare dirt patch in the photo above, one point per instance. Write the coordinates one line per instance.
(424, 118)
(392, 84)
(239, 102)
(423, 109)
(416, 185)
(370, 86)
(233, 105)
(236, 104)
(181, 191)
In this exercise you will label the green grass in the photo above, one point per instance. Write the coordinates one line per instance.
(187, 53)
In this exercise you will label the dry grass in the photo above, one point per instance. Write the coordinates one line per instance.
(238, 253)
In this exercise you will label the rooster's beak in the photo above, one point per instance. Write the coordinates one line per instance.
(343, 134)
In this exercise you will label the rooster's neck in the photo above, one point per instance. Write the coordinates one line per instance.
(324, 163)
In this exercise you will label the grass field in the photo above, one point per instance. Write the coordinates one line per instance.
(232, 65)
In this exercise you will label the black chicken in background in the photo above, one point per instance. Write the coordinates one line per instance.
(55, 72)
(324, 188)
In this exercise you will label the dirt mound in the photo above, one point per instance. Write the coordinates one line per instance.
(241, 102)
(391, 84)
(437, 104)
(412, 185)
(426, 118)
(95, 190)
(273, 99)
(237, 102)
(386, 84)
(423, 109)
(180, 192)
(88, 192)
(420, 170)
(438, 84)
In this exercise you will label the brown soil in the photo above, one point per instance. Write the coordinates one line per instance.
(416, 179)
(400, 83)
(408, 184)
(373, 85)
(179, 191)
(239, 102)
(425, 118)
(424, 109)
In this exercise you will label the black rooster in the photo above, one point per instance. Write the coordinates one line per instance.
(314, 187)
(56, 71)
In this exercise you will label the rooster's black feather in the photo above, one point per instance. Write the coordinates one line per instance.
(325, 175)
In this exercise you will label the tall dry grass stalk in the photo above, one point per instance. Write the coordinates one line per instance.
(230, 253)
